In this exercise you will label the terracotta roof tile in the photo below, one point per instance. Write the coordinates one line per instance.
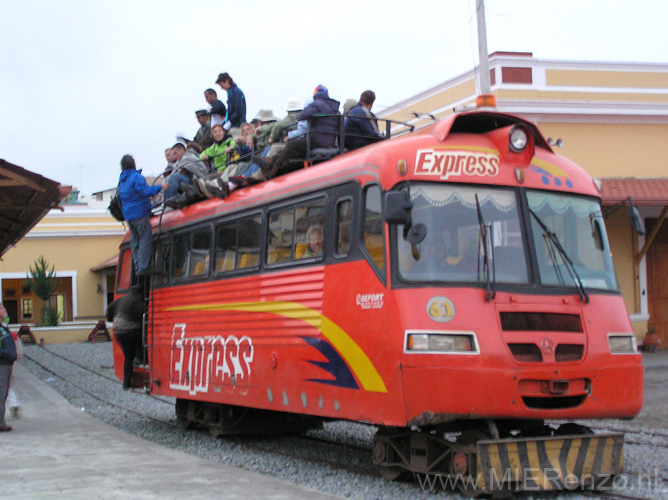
(643, 191)
(110, 263)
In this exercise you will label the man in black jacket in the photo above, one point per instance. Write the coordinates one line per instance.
(323, 132)
(127, 313)
(7, 358)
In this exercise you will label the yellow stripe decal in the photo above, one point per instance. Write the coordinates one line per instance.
(548, 167)
(358, 361)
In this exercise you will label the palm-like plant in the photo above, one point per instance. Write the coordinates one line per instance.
(43, 283)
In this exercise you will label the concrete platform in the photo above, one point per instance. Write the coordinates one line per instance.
(58, 452)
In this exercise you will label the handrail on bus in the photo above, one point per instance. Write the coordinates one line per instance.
(341, 134)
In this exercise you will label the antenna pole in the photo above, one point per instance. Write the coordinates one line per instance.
(485, 85)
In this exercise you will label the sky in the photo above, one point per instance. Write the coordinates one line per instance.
(84, 82)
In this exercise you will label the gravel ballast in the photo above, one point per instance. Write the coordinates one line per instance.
(342, 464)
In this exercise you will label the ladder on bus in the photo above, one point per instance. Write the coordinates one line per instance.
(147, 338)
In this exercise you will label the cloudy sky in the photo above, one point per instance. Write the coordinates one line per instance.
(83, 82)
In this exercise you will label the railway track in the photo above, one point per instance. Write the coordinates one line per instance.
(85, 390)
(644, 437)
(329, 449)
(313, 445)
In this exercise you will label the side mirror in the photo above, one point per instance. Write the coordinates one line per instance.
(397, 207)
(634, 215)
(636, 220)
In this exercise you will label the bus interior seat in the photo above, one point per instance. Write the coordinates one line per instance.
(300, 250)
(248, 260)
(226, 261)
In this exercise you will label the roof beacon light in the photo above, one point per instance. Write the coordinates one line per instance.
(485, 101)
(518, 139)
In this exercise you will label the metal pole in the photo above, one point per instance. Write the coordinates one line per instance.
(485, 86)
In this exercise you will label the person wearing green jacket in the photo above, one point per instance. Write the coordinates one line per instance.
(218, 151)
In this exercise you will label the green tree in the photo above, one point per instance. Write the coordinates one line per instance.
(43, 283)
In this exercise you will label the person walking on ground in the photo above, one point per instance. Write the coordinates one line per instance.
(13, 402)
(136, 201)
(7, 358)
(126, 314)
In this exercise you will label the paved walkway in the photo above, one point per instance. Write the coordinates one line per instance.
(58, 452)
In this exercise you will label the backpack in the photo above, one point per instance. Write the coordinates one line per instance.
(116, 208)
(7, 346)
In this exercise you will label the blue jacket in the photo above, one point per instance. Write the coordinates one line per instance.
(325, 129)
(7, 347)
(135, 194)
(236, 106)
(359, 128)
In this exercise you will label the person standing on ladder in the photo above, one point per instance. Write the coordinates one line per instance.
(127, 314)
(136, 201)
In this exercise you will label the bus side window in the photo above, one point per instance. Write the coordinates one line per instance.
(226, 247)
(373, 227)
(344, 222)
(279, 236)
(180, 255)
(288, 232)
(249, 232)
(161, 262)
(238, 244)
(199, 252)
(310, 234)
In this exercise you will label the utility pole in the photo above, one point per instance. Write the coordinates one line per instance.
(485, 86)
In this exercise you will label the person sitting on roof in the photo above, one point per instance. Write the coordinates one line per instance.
(323, 133)
(245, 148)
(187, 170)
(246, 141)
(348, 105)
(282, 127)
(214, 184)
(223, 145)
(361, 127)
(203, 136)
(266, 121)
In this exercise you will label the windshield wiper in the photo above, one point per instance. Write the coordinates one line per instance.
(553, 243)
(485, 238)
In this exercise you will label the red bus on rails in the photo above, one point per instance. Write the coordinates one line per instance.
(464, 293)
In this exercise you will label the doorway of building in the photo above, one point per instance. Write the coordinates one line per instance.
(12, 307)
(657, 281)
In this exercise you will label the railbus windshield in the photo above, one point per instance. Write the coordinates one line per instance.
(576, 224)
(480, 234)
(453, 250)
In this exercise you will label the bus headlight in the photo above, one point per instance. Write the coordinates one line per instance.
(622, 343)
(518, 139)
(441, 342)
